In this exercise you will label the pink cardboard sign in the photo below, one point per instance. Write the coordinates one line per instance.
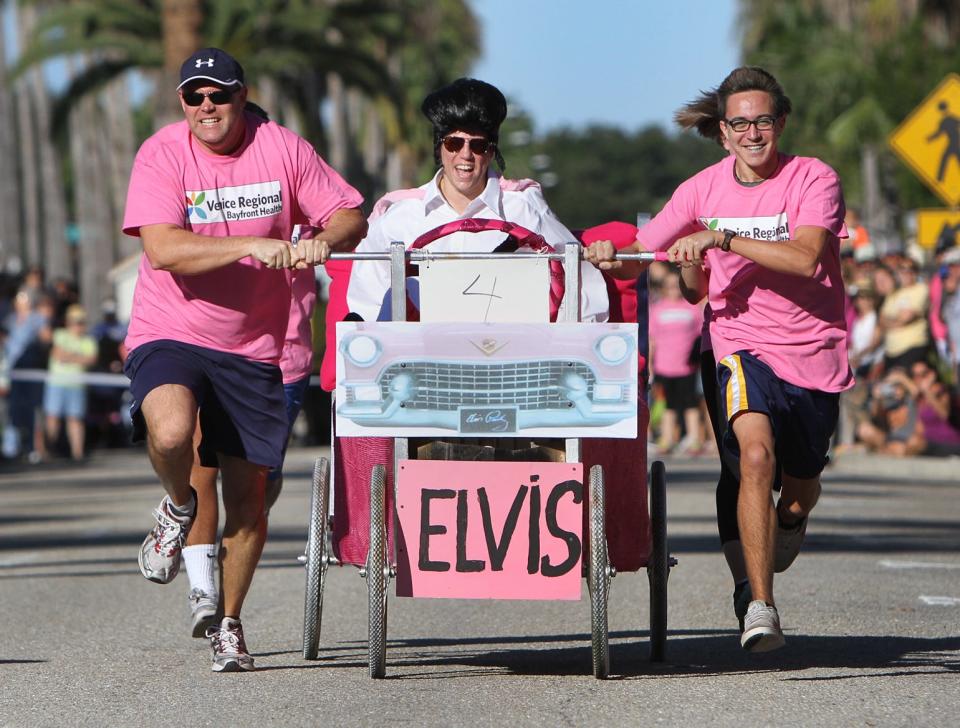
(489, 530)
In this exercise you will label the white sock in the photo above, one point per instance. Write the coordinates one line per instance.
(201, 561)
(185, 512)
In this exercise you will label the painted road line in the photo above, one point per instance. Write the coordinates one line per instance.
(917, 565)
(940, 601)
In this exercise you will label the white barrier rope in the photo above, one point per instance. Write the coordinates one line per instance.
(100, 379)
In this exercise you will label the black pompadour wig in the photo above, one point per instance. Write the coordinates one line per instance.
(467, 105)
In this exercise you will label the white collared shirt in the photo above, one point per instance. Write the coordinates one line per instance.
(426, 208)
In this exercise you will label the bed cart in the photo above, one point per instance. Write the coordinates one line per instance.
(571, 385)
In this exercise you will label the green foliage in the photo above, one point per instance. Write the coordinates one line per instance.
(849, 87)
(604, 173)
(294, 42)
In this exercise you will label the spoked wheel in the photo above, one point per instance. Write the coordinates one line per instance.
(377, 575)
(658, 568)
(316, 558)
(598, 576)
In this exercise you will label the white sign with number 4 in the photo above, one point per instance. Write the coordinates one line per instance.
(507, 291)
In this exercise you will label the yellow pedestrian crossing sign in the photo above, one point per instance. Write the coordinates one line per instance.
(938, 226)
(929, 140)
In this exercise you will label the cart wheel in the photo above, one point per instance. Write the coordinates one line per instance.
(316, 558)
(598, 576)
(658, 568)
(377, 573)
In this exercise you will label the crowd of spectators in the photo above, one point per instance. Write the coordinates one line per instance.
(903, 316)
(47, 346)
(904, 321)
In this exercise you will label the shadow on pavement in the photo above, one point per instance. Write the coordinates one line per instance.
(691, 653)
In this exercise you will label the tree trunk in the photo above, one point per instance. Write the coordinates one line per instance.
(9, 193)
(119, 158)
(181, 21)
(876, 212)
(57, 256)
(339, 153)
(29, 179)
(92, 203)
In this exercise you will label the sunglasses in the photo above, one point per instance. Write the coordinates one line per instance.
(195, 98)
(764, 122)
(454, 144)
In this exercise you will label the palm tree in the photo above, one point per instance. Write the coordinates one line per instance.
(9, 189)
(285, 40)
(44, 202)
(113, 37)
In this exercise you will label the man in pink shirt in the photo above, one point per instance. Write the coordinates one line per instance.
(214, 199)
(758, 233)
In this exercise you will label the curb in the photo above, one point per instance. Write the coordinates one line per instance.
(940, 469)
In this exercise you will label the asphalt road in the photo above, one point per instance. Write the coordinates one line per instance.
(871, 611)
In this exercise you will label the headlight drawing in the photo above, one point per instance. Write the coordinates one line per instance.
(613, 348)
(362, 350)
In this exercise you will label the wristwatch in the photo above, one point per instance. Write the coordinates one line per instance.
(728, 235)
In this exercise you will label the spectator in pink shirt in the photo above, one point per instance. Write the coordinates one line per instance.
(674, 332)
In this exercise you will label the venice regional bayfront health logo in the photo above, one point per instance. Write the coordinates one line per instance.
(774, 228)
(231, 204)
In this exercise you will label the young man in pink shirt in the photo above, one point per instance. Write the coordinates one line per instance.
(214, 199)
(758, 233)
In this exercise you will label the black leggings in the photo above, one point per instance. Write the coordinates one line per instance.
(728, 486)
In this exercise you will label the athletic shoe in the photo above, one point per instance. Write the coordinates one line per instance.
(742, 596)
(688, 446)
(229, 649)
(761, 628)
(203, 608)
(789, 540)
(160, 552)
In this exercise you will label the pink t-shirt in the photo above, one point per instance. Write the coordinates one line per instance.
(274, 181)
(296, 360)
(674, 328)
(793, 324)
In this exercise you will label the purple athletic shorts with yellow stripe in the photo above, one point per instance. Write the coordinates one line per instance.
(803, 420)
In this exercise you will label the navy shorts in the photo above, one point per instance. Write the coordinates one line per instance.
(680, 392)
(803, 420)
(242, 407)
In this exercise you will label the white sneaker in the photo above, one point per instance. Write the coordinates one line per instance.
(789, 541)
(688, 446)
(229, 648)
(160, 552)
(761, 628)
(203, 610)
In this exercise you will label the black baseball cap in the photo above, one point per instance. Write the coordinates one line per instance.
(211, 64)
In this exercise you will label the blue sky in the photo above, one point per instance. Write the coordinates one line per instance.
(628, 63)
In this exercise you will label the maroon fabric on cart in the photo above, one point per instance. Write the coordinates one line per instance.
(354, 460)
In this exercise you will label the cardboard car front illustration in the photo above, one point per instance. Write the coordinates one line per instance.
(485, 379)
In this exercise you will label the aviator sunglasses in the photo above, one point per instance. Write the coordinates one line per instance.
(454, 144)
(195, 98)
